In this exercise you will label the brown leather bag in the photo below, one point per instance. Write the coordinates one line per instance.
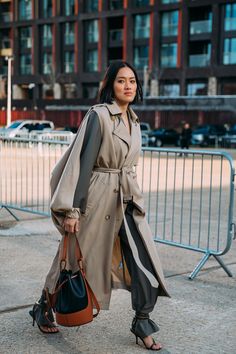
(73, 300)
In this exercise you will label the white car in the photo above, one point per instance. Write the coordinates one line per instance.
(20, 127)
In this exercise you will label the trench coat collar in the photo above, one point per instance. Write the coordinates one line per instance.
(114, 110)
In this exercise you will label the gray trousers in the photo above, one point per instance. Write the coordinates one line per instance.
(143, 295)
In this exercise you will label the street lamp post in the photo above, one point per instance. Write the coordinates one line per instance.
(9, 60)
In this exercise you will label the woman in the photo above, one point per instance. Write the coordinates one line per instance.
(96, 198)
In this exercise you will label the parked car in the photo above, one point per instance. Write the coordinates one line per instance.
(19, 127)
(162, 136)
(208, 134)
(145, 131)
(229, 139)
(145, 139)
(145, 127)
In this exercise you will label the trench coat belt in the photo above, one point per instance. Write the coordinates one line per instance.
(121, 172)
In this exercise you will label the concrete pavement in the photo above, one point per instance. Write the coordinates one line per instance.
(199, 318)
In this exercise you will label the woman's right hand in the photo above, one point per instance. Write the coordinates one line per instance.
(71, 225)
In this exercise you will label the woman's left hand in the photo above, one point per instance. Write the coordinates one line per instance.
(71, 225)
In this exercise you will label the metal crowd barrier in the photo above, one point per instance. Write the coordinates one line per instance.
(25, 167)
(189, 195)
(189, 200)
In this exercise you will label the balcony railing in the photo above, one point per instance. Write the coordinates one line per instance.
(169, 1)
(47, 68)
(169, 30)
(229, 58)
(26, 69)
(140, 3)
(6, 17)
(116, 35)
(198, 27)
(140, 63)
(169, 61)
(47, 41)
(69, 67)
(141, 32)
(199, 60)
(69, 38)
(26, 42)
(230, 24)
(92, 65)
(92, 37)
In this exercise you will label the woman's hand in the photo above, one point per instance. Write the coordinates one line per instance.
(71, 225)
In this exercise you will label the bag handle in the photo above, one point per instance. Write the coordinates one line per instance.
(79, 257)
(78, 253)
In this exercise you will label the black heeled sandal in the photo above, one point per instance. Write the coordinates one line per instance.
(43, 316)
(138, 335)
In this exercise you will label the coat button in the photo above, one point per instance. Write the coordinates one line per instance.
(116, 190)
(107, 217)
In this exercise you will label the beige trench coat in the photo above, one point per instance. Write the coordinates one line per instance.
(112, 179)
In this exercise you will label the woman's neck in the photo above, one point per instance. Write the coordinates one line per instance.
(123, 108)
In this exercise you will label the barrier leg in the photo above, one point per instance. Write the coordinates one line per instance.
(199, 266)
(10, 212)
(222, 264)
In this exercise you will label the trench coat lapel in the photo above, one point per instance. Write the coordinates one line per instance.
(122, 132)
(120, 129)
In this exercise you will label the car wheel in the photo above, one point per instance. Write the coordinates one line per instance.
(158, 143)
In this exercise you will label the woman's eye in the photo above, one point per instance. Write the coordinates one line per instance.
(133, 81)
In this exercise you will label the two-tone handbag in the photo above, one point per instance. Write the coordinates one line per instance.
(73, 300)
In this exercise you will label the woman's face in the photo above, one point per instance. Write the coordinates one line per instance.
(125, 86)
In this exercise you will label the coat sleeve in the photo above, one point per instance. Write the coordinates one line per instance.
(88, 156)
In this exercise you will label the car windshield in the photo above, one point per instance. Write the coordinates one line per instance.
(14, 125)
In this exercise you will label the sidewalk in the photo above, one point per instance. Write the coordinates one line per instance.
(199, 318)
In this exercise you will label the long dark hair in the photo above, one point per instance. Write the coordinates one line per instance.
(106, 92)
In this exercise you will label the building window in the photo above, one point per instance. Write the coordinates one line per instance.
(5, 12)
(169, 55)
(25, 34)
(92, 31)
(229, 51)
(47, 35)
(197, 89)
(141, 26)
(115, 4)
(169, 89)
(69, 33)
(69, 63)
(69, 7)
(91, 5)
(5, 41)
(230, 17)
(46, 10)
(47, 63)
(92, 60)
(141, 56)
(25, 64)
(169, 23)
(228, 87)
(25, 9)
(199, 54)
(141, 3)
(90, 91)
(169, 1)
